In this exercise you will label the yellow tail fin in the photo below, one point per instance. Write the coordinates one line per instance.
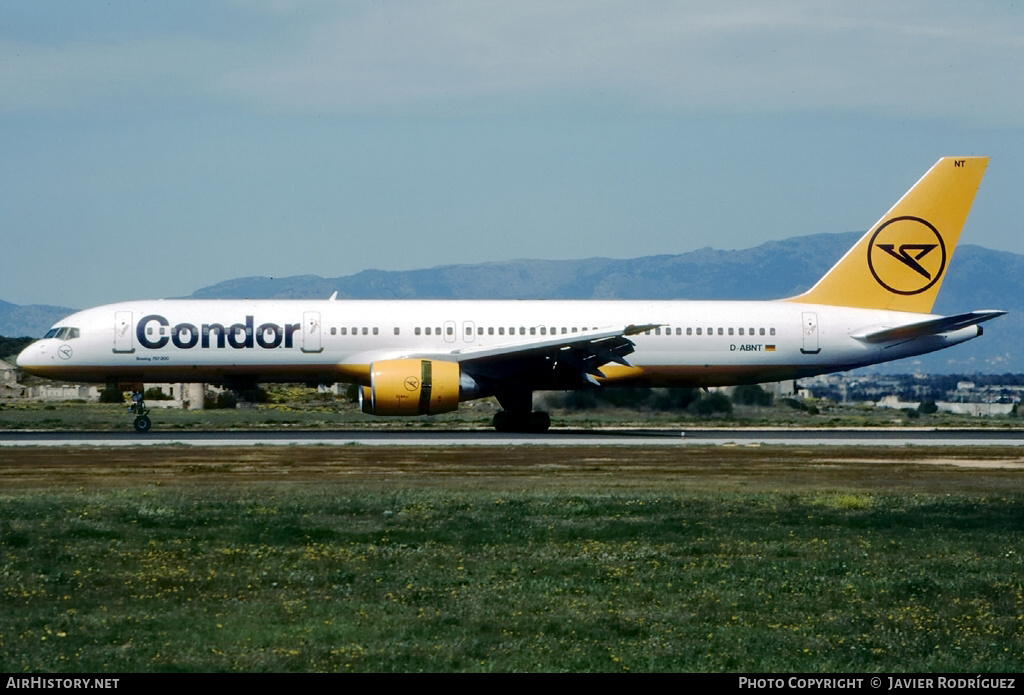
(899, 264)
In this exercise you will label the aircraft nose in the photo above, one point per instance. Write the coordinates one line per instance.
(34, 356)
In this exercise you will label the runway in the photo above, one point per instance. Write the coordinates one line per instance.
(556, 437)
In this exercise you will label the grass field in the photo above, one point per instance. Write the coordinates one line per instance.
(506, 559)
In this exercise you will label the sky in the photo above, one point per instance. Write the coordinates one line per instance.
(148, 149)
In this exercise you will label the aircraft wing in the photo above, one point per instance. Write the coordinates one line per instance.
(578, 355)
(943, 324)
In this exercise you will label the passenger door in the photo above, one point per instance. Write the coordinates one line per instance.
(810, 334)
(124, 337)
(311, 332)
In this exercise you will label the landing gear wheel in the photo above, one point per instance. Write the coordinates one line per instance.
(539, 421)
(142, 422)
(536, 421)
(502, 421)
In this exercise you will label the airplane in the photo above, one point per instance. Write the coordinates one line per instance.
(425, 357)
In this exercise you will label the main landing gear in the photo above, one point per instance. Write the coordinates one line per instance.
(142, 422)
(537, 421)
(518, 414)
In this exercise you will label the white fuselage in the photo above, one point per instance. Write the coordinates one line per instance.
(696, 343)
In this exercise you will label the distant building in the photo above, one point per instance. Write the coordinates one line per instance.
(781, 389)
(8, 374)
(64, 392)
(9, 386)
(184, 396)
(976, 409)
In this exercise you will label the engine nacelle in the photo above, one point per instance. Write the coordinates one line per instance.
(411, 387)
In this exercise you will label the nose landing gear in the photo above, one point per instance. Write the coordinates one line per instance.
(142, 422)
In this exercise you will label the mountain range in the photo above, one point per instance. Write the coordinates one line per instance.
(978, 278)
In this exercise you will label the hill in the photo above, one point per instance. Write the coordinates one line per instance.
(32, 320)
(772, 270)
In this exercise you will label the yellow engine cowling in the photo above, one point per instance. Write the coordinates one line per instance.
(411, 387)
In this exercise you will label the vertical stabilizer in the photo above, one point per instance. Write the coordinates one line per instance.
(899, 264)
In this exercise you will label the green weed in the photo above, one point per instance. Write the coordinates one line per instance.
(377, 577)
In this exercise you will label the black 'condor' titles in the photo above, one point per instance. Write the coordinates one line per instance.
(238, 335)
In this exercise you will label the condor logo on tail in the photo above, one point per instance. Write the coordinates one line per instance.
(906, 268)
(904, 257)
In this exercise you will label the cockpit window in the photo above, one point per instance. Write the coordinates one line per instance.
(63, 333)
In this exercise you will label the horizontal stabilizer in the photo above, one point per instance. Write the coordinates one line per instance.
(944, 324)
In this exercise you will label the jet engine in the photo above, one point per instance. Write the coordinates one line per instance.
(411, 387)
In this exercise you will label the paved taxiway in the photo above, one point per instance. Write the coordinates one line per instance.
(559, 437)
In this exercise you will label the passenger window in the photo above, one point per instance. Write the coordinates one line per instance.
(334, 330)
(689, 331)
(417, 330)
(719, 331)
(657, 331)
(762, 331)
(451, 331)
(344, 330)
(741, 330)
(533, 330)
(501, 330)
(543, 330)
(490, 330)
(698, 331)
(730, 331)
(771, 331)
